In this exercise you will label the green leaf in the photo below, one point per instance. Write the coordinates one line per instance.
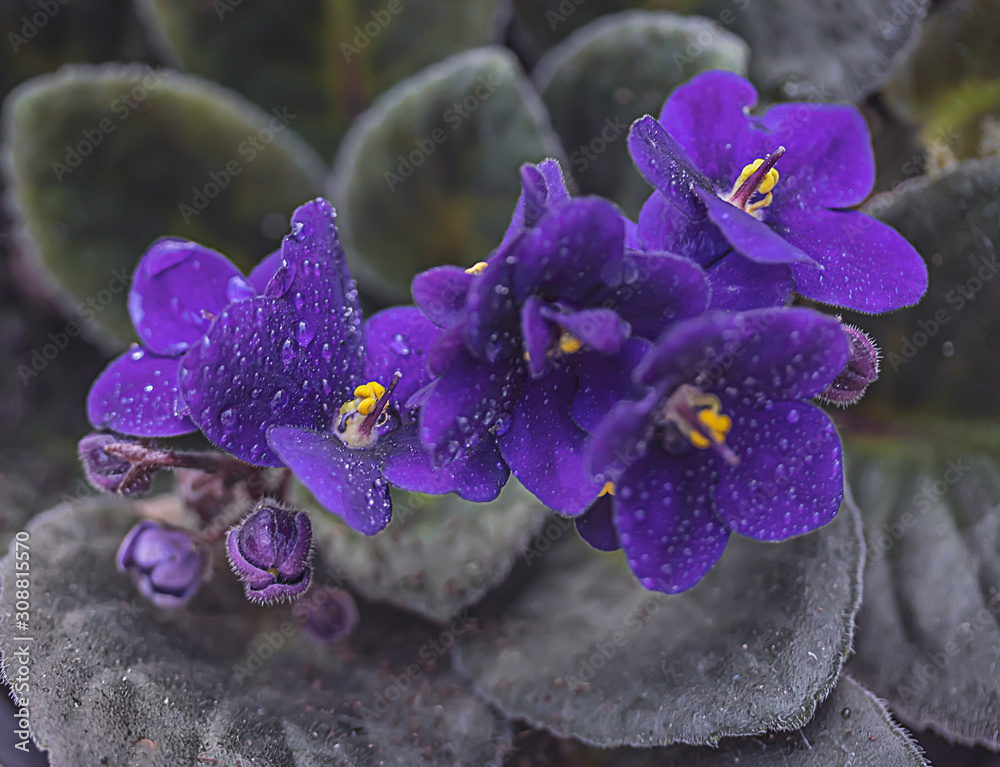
(615, 70)
(101, 161)
(929, 628)
(950, 82)
(325, 59)
(429, 176)
(850, 727)
(438, 555)
(585, 652)
(113, 680)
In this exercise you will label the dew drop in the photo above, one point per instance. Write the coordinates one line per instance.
(227, 418)
(287, 352)
(793, 416)
(305, 333)
(398, 345)
(279, 401)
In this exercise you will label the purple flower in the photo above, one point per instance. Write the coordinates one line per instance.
(724, 441)
(269, 551)
(327, 614)
(292, 377)
(178, 288)
(166, 565)
(760, 201)
(539, 341)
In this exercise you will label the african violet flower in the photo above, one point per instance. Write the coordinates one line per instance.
(724, 441)
(539, 341)
(269, 552)
(759, 200)
(178, 288)
(291, 377)
(166, 565)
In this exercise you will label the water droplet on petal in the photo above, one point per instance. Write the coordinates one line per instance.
(279, 401)
(287, 352)
(305, 333)
(793, 416)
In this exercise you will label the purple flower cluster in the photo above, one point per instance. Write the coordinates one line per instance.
(650, 379)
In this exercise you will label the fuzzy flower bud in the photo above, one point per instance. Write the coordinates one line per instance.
(107, 472)
(860, 371)
(166, 565)
(269, 551)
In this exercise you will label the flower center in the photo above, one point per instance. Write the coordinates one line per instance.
(757, 178)
(361, 417)
(699, 419)
(569, 344)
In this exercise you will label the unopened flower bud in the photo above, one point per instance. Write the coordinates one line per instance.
(166, 565)
(107, 472)
(269, 551)
(327, 614)
(861, 370)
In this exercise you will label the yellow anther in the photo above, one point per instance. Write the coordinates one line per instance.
(608, 489)
(366, 397)
(477, 268)
(569, 344)
(718, 425)
(764, 187)
(274, 571)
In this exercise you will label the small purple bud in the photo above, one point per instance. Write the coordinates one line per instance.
(327, 614)
(861, 370)
(166, 565)
(269, 551)
(107, 472)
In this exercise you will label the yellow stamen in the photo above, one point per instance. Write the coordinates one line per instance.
(766, 185)
(478, 268)
(273, 571)
(608, 489)
(569, 344)
(718, 424)
(366, 397)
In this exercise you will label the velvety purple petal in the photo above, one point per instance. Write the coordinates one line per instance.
(654, 290)
(828, 160)
(665, 165)
(538, 336)
(398, 339)
(264, 271)
(281, 361)
(545, 448)
(492, 316)
(663, 228)
(752, 238)
(600, 330)
(666, 520)
(751, 357)
(597, 525)
(622, 436)
(790, 477)
(866, 265)
(440, 293)
(138, 394)
(347, 482)
(632, 239)
(570, 251)
(178, 287)
(708, 119)
(478, 474)
(543, 185)
(739, 284)
(468, 399)
(604, 381)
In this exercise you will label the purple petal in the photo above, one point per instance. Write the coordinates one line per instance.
(708, 118)
(663, 228)
(346, 482)
(138, 394)
(567, 255)
(622, 436)
(179, 286)
(665, 165)
(447, 349)
(477, 475)
(281, 361)
(398, 339)
(597, 525)
(667, 522)
(751, 358)
(790, 477)
(543, 186)
(600, 330)
(545, 448)
(440, 293)
(751, 237)
(741, 285)
(264, 271)
(492, 315)
(866, 265)
(538, 336)
(467, 400)
(605, 381)
(654, 290)
(828, 160)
